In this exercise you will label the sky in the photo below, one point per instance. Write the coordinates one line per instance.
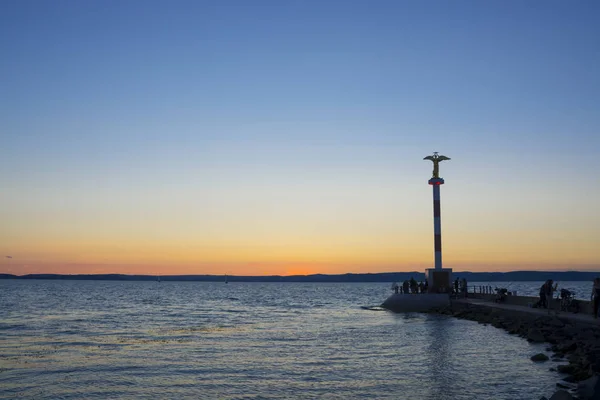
(287, 137)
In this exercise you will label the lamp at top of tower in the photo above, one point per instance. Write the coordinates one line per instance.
(436, 159)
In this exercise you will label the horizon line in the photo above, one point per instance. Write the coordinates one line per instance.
(317, 274)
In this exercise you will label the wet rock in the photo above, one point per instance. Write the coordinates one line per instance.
(589, 388)
(534, 335)
(539, 357)
(555, 322)
(587, 335)
(570, 331)
(567, 347)
(561, 395)
(497, 324)
(581, 375)
(566, 368)
(574, 358)
(552, 339)
(577, 342)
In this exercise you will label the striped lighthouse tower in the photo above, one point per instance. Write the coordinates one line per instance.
(438, 277)
(437, 221)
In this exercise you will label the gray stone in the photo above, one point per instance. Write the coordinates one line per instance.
(539, 357)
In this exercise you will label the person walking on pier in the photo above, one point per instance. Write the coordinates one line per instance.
(596, 296)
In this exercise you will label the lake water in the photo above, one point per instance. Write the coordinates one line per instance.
(115, 339)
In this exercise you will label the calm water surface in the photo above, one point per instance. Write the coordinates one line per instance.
(112, 339)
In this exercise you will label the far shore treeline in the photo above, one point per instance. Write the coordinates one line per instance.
(513, 276)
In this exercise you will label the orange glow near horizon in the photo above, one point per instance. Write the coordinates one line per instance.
(295, 228)
(299, 253)
(297, 256)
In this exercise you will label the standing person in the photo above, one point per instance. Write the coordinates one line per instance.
(405, 287)
(543, 302)
(464, 287)
(550, 292)
(413, 285)
(456, 286)
(596, 296)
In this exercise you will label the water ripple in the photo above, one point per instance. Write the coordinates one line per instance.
(98, 340)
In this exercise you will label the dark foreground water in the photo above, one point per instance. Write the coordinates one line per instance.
(99, 340)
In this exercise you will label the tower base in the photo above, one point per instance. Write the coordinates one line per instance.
(415, 302)
(439, 280)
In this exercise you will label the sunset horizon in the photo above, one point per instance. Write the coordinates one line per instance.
(275, 270)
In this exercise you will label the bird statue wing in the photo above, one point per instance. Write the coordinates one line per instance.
(428, 158)
(442, 158)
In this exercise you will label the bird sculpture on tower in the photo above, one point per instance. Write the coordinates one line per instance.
(436, 158)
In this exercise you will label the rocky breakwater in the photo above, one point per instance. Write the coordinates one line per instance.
(574, 342)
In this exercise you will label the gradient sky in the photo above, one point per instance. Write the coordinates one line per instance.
(287, 137)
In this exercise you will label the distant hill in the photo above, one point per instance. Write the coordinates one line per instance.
(513, 276)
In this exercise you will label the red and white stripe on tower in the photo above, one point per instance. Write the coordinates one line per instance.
(437, 223)
(436, 182)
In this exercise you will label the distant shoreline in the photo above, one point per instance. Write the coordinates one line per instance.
(514, 276)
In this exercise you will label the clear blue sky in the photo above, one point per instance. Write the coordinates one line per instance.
(250, 110)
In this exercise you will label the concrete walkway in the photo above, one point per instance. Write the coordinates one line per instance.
(585, 318)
